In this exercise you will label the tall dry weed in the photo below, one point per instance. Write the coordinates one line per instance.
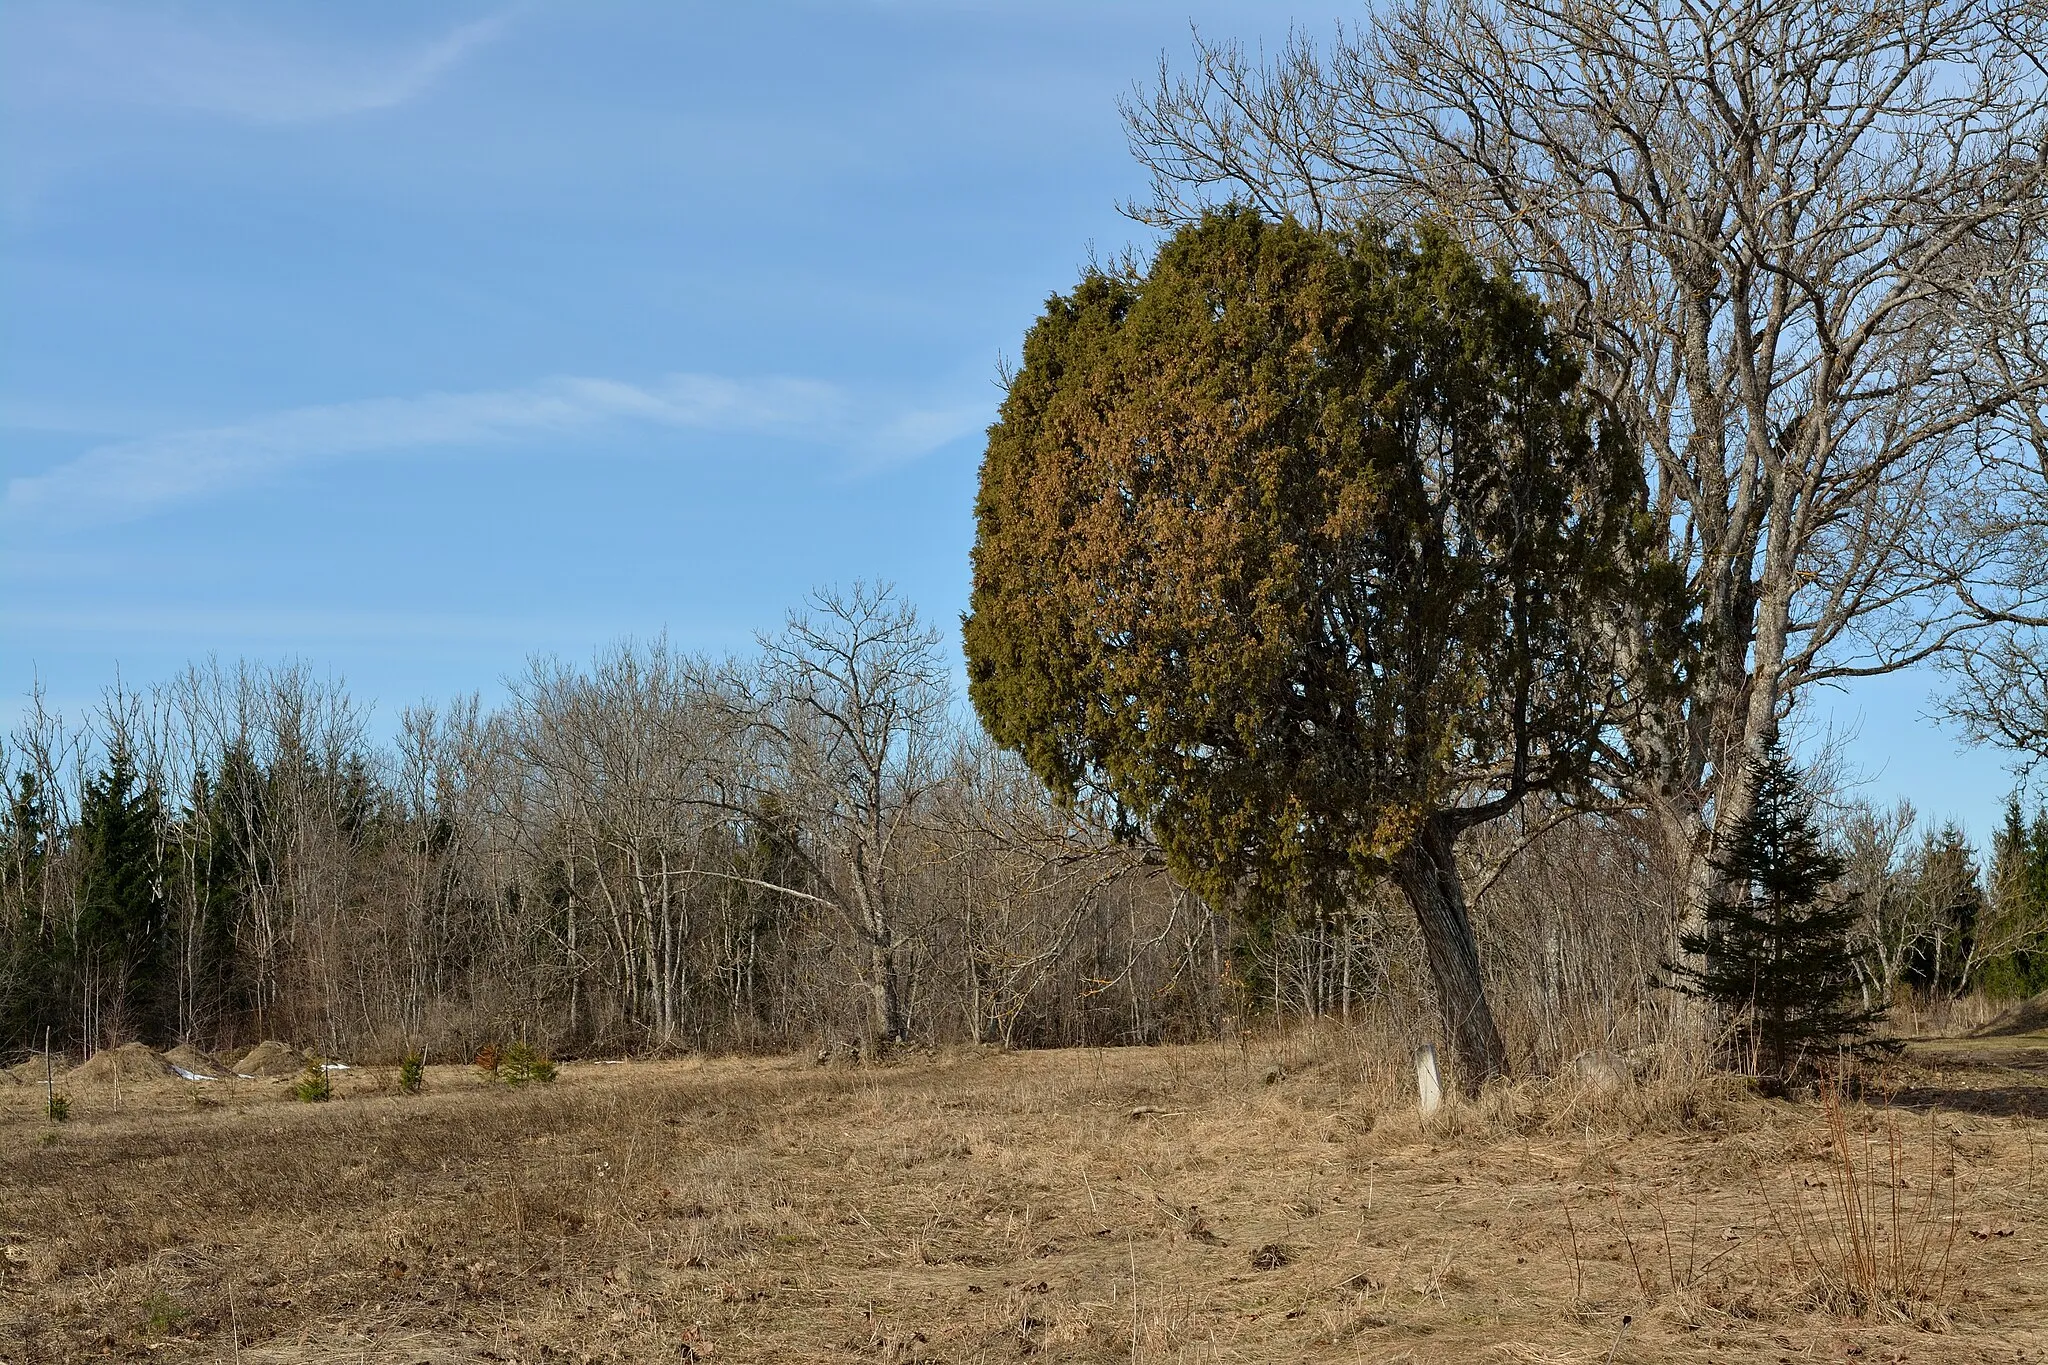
(1874, 1236)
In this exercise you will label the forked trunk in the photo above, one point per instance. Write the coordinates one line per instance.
(1427, 873)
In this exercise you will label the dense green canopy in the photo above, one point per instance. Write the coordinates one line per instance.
(1304, 551)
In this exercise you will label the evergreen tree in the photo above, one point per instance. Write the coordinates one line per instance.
(26, 998)
(1775, 949)
(117, 939)
(2019, 906)
(211, 890)
(1305, 555)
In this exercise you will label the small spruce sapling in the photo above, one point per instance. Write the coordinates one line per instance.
(1773, 952)
(522, 1063)
(313, 1085)
(412, 1074)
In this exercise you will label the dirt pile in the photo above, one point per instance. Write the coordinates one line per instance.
(128, 1062)
(186, 1057)
(271, 1058)
(31, 1072)
(2029, 1016)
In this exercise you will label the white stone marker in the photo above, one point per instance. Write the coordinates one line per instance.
(1429, 1082)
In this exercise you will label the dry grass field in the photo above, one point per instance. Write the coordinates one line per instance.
(1166, 1204)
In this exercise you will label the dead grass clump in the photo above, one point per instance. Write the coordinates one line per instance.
(1711, 1103)
(128, 1062)
(271, 1058)
(1875, 1235)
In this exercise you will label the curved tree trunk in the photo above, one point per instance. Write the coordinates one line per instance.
(1427, 873)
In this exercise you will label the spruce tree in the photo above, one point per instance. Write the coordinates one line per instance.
(2019, 906)
(1775, 949)
(1946, 881)
(27, 1001)
(118, 938)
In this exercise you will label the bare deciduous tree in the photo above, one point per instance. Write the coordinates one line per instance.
(622, 784)
(847, 708)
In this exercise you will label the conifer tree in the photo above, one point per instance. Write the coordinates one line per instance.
(2019, 906)
(1947, 882)
(1307, 555)
(117, 938)
(1774, 951)
(25, 943)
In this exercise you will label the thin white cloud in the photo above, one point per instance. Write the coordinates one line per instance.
(157, 58)
(132, 478)
(916, 432)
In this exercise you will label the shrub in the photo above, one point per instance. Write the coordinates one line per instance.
(162, 1313)
(60, 1108)
(313, 1086)
(1864, 1247)
(487, 1059)
(522, 1063)
(412, 1074)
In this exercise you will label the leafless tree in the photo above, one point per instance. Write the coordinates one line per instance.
(618, 762)
(1876, 848)
(2000, 689)
(847, 712)
(1032, 873)
(1801, 245)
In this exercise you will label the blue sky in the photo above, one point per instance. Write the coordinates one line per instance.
(414, 340)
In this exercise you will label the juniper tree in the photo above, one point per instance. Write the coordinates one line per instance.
(1292, 550)
(1773, 950)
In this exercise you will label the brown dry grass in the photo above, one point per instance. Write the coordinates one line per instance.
(1165, 1204)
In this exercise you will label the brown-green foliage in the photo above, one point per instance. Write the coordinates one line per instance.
(1303, 553)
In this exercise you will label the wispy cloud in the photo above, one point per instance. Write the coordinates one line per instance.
(154, 57)
(132, 478)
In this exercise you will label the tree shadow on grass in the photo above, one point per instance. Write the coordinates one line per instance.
(2000, 1083)
(2002, 1101)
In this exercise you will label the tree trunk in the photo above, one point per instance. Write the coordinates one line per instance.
(882, 984)
(871, 913)
(1427, 873)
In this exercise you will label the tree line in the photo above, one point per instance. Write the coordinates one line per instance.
(806, 847)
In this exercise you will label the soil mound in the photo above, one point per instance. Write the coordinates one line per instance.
(128, 1062)
(185, 1057)
(31, 1072)
(271, 1058)
(2029, 1016)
